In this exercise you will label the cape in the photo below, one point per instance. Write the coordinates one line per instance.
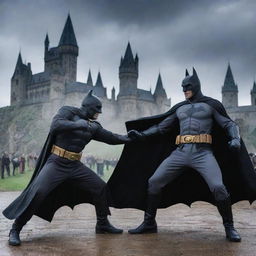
(64, 194)
(140, 159)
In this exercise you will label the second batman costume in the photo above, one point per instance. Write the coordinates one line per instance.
(191, 153)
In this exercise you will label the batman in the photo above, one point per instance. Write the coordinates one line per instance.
(60, 178)
(192, 152)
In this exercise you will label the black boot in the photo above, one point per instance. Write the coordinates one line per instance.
(103, 226)
(225, 211)
(149, 224)
(14, 235)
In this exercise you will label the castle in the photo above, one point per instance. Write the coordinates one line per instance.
(35, 98)
(57, 83)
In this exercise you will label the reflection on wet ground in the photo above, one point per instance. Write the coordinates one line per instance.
(187, 231)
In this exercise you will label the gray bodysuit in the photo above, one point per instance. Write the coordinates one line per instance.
(194, 118)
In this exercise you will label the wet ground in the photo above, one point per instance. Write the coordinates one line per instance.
(182, 231)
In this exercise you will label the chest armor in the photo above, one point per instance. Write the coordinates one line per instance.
(195, 118)
(75, 140)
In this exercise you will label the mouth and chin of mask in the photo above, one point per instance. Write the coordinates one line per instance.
(188, 94)
(95, 116)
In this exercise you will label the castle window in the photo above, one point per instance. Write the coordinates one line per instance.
(17, 81)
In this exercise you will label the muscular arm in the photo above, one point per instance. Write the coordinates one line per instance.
(108, 137)
(163, 127)
(62, 121)
(231, 128)
(223, 121)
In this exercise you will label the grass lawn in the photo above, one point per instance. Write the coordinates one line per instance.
(15, 183)
(20, 181)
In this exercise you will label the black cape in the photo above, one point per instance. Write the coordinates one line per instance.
(139, 160)
(65, 194)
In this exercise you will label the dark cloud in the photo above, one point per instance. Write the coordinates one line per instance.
(169, 36)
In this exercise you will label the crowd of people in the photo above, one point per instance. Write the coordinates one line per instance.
(13, 163)
(99, 164)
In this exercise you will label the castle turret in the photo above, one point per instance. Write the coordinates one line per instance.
(160, 91)
(21, 77)
(89, 79)
(46, 44)
(99, 89)
(253, 94)
(229, 90)
(46, 53)
(128, 73)
(68, 50)
(160, 95)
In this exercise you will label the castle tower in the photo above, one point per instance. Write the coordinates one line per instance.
(21, 77)
(229, 90)
(253, 94)
(46, 45)
(89, 79)
(128, 73)
(99, 89)
(160, 95)
(68, 51)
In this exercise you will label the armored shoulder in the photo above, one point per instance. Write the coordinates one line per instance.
(67, 111)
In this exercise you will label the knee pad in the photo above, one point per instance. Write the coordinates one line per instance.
(220, 193)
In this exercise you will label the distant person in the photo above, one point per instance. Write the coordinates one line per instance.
(22, 161)
(5, 164)
(100, 166)
(15, 163)
(107, 163)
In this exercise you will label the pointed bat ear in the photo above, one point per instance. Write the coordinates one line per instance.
(186, 74)
(90, 93)
(194, 73)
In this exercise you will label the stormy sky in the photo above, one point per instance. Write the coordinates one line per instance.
(168, 35)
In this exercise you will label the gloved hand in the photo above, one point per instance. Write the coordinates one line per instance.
(234, 144)
(136, 135)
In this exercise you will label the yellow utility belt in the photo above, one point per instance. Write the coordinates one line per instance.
(66, 154)
(200, 138)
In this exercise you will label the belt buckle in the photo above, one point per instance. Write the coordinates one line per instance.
(188, 138)
(73, 157)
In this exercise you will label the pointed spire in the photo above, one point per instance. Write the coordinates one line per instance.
(136, 57)
(128, 63)
(19, 65)
(229, 82)
(19, 60)
(89, 79)
(99, 81)
(128, 56)
(68, 35)
(254, 87)
(46, 41)
(160, 91)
